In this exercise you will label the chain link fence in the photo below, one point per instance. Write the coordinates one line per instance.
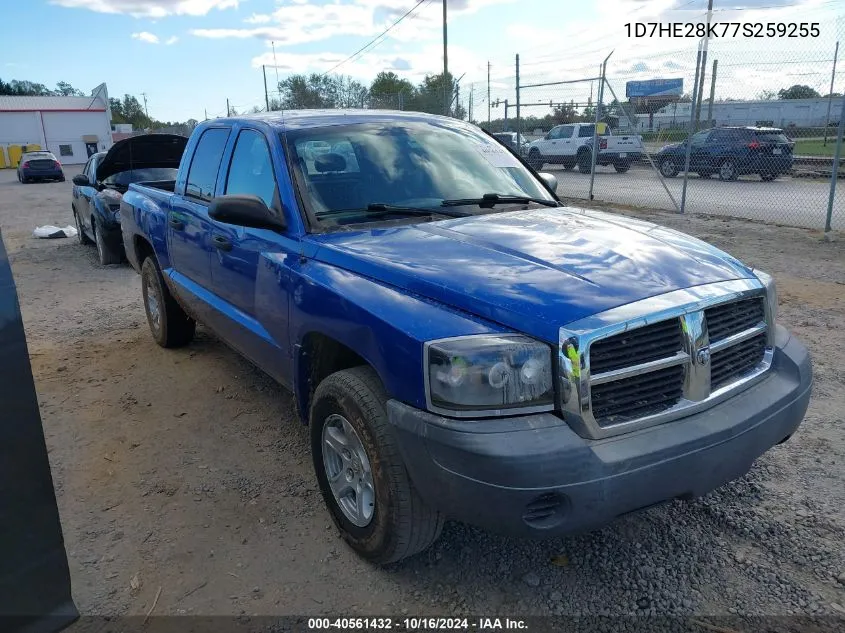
(732, 128)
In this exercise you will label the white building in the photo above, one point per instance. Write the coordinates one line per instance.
(783, 113)
(72, 128)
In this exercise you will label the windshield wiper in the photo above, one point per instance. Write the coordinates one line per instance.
(489, 200)
(421, 211)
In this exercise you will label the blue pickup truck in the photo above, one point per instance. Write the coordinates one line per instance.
(460, 343)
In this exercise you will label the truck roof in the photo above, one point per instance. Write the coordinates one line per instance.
(298, 119)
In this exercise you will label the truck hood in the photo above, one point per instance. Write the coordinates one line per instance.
(142, 152)
(532, 270)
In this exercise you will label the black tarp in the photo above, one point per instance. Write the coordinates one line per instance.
(34, 578)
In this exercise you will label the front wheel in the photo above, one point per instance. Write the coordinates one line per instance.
(106, 252)
(728, 170)
(169, 324)
(535, 160)
(360, 471)
(585, 160)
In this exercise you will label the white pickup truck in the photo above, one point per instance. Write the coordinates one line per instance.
(572, 144)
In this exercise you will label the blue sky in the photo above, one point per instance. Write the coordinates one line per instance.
(189, 56)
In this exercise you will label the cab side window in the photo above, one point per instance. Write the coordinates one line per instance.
(251, 169)
(202, 176)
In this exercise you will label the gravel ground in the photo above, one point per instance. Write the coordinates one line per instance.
(186, 471)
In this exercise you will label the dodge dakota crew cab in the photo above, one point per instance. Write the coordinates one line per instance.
(460, 343)
(572, 144)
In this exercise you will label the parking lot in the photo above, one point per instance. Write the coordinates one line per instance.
(185, 473)
(792, 201)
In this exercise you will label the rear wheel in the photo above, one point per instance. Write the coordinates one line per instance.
(535, 160)
(169, 324)
(621, 168)
(361, 473)
(768, 177)
(728, 170)
(669, 168)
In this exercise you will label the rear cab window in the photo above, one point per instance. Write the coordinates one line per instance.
(205, 164)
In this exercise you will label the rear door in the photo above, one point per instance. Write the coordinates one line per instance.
(35, 592)
(83, 195)
(189, 227)
(240, 255)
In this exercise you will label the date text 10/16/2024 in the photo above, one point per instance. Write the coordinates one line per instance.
(481, 624)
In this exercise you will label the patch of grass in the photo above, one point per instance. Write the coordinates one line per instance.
(814, 147)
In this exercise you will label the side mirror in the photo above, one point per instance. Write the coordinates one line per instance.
(244, 210)
(81, 180)
(549, 179)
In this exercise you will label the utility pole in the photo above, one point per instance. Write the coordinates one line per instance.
(206, 114)
(266, 96)
(703, 65)
(518, 112)
(147, 112)
(712, 93)
(488, 93)
(228, 109)
(471, 91)
(830, 93)
(447, 85)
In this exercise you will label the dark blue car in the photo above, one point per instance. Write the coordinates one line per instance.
(730, 152)
(40, 166)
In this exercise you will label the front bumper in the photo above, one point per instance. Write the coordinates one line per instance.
(534, 476)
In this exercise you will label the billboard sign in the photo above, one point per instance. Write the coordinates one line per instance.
(654, 88)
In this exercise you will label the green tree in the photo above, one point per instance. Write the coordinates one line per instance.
(386, 89)
(64, 89)
(798, 92)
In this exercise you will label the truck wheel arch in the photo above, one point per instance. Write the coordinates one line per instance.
(143, 249)
(317, 356)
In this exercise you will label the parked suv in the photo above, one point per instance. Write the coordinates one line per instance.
(731, 152)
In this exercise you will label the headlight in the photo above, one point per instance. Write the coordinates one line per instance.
(489, 373)
(771, 292)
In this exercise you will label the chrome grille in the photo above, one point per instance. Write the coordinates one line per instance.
(729, 318)
(737, 360)
(663, 358)
(630, 398)
(637, 346)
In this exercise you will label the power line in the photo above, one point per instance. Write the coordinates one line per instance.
(375, 39)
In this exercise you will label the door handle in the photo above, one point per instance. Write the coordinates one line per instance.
(221, 243)
(176, 223)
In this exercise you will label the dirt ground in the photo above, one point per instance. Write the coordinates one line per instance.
(186, 470)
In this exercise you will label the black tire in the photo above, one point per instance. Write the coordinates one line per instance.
(402, 524)
(172, 328)
(62, 179)
(535, 159)
(106, 253)
(19, 177)
(585, 160)
(80, 234)
(728, 170)
(669, 167)
(768, 177)
(621, 168)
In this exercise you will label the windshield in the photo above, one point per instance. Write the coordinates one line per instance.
(403, 163)
(150, 174)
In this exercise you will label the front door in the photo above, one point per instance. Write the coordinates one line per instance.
(244, 259)
(189, 227)
(91, 148)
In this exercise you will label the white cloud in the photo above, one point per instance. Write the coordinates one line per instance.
(258, 18)
(145, 36)
(301, 22)
(149, 8)
(172, 40)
